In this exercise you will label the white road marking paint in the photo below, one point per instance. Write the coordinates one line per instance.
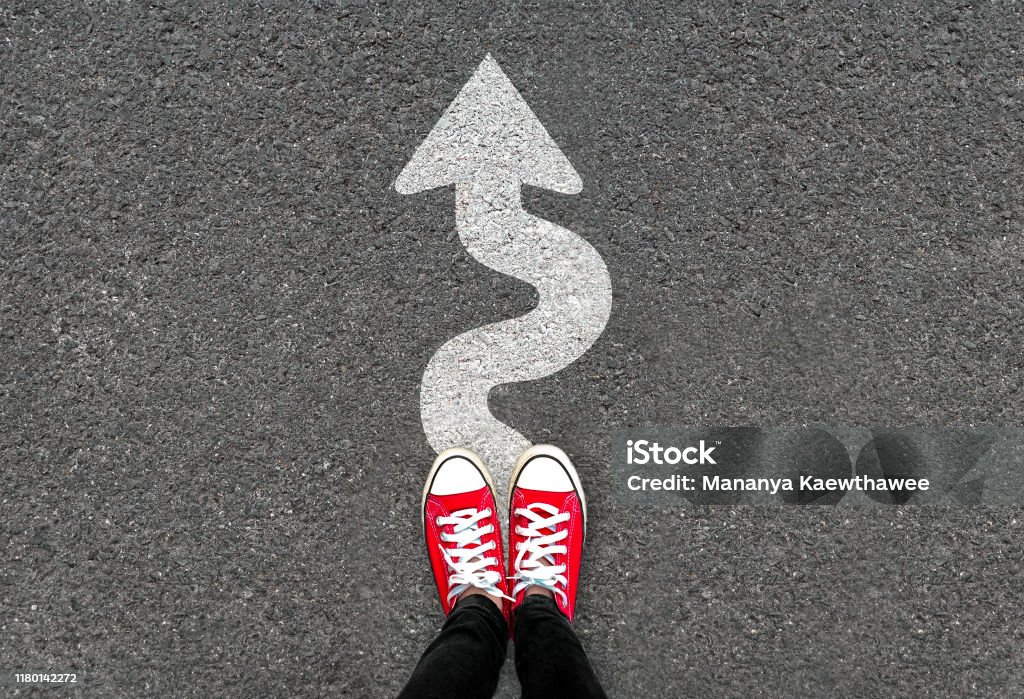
(489, 143)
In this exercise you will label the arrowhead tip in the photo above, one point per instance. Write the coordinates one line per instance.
(488, 127)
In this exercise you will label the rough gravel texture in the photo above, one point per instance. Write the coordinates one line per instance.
(215, 312)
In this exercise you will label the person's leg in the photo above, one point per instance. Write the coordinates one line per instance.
(550, 659)
(548, 525)
(464, 545)
(466, 657)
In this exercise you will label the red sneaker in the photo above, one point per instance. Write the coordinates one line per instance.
(460, 522)
(548, 523)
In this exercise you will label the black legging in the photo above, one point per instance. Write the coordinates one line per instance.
(465, 659)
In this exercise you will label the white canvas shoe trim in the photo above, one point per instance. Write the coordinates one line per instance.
(457, 475)
(544, 473)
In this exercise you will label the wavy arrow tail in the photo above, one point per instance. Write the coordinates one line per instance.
(575, 302)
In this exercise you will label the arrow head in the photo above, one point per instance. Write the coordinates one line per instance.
(488, 127)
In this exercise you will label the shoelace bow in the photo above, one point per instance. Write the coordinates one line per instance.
(535, 563)
(466, 560)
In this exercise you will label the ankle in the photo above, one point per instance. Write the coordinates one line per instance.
(541, 591)
(479, 592)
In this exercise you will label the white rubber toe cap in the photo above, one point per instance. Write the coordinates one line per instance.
(544, 473)
(457, 475)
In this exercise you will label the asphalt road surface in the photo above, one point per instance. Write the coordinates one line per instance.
(216, 310)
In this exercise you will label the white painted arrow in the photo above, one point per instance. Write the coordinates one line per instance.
(488, 144)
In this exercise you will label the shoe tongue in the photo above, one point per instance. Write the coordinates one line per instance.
(473, 499)
(557, 502)
(547, 497)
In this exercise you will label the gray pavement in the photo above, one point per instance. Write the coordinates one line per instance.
(215, 312)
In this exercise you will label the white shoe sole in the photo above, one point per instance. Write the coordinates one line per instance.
(559, 456)
(467, 454)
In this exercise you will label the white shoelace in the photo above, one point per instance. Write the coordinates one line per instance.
(466, 559)
(535, 563)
